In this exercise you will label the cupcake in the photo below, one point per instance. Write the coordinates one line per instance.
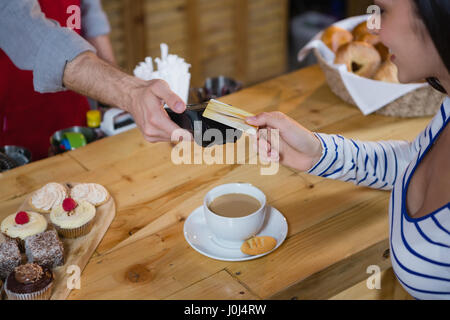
(73, 219)
(91, 192)
(50, 195)
(29, 282)
(23, 224)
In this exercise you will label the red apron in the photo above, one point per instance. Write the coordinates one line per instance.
(29, 118)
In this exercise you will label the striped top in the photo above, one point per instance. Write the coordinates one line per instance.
(420, 247)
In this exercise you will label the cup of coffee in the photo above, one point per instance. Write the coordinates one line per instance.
(234, 212)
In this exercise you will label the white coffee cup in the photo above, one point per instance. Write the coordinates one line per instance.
(232, 231)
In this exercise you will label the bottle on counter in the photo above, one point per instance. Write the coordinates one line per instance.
(93, 119)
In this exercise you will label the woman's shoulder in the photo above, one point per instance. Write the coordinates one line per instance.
(441, 117)
(434, 126)
(446, 103)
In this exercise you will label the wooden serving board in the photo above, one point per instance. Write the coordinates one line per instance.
(77, 251)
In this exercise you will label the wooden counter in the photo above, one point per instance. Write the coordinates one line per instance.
(336, 229)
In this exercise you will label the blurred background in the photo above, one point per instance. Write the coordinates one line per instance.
(247, 40)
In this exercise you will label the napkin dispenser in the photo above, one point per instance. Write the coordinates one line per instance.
(116, 121)
(193, 112)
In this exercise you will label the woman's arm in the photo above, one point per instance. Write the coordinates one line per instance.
(372, 164)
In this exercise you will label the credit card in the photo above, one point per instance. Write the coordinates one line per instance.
(229, 115)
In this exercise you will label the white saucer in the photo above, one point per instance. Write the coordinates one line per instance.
(202, 240)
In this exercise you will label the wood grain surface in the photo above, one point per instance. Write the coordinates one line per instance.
(336, 229)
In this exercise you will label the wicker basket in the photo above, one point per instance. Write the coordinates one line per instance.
(421, 102)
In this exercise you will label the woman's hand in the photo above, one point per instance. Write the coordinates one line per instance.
(297, 147)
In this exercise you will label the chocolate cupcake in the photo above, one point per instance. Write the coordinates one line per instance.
(29, 282)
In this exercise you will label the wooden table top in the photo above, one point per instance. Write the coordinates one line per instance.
(336, 229)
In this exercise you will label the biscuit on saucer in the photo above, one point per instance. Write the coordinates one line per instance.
(258, 245)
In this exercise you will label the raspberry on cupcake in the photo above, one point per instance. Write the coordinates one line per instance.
(73, 219)
(23, 224)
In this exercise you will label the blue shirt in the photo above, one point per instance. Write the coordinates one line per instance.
(420, 248)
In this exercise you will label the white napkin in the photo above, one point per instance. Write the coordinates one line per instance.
(369, 95)
(170, 68)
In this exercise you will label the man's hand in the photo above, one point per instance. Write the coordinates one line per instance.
(147, 110)
(91, 76)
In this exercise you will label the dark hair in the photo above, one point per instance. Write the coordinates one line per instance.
(435, 15)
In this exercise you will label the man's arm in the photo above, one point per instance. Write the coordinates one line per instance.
(89, 75)
(104, 48)
(60, 57)
(35, 43)
(96, 29)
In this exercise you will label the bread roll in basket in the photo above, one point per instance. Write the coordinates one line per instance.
(390, 99)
